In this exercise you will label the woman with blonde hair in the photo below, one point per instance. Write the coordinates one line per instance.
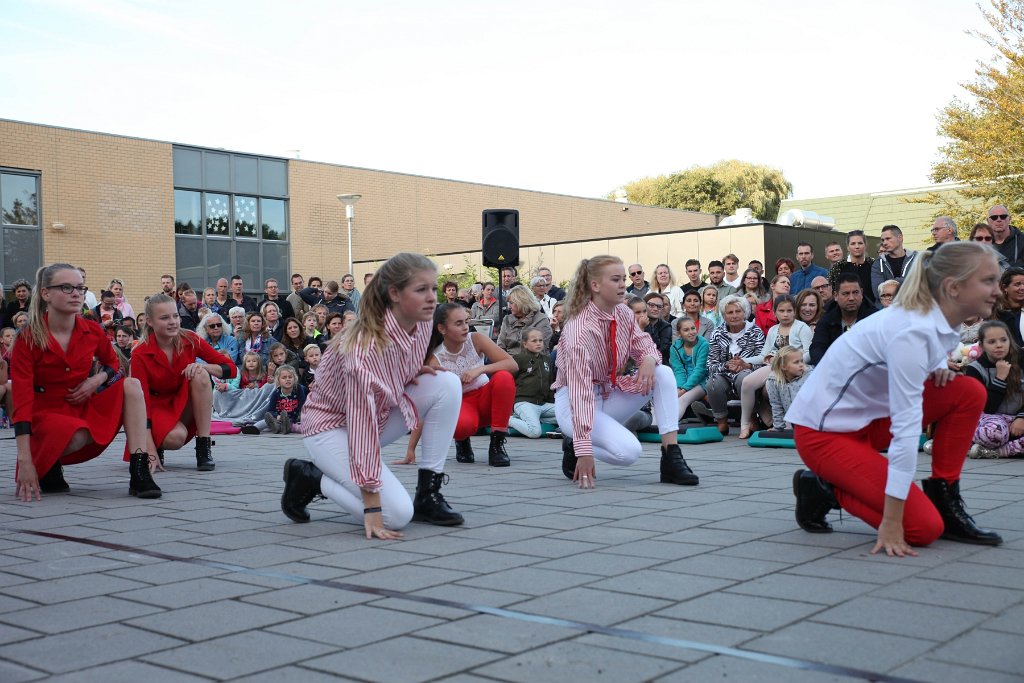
(64, 413)
(664, 283)
(372, 387)
(593, 393)
(876, 387)
(177, 386)
(524, 314)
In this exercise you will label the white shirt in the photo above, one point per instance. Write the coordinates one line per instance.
(735, 284)
(878, 369)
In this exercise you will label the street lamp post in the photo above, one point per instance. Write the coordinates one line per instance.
(349, 200)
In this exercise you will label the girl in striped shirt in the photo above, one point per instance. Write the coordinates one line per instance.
(371, 388)
(593, 396)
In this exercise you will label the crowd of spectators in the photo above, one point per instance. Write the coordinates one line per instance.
(721, 329)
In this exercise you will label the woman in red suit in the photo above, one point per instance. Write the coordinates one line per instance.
(177, 389)
(62, 414)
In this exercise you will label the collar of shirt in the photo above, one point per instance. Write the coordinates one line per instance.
(398, 335)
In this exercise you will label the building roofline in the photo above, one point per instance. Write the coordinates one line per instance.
(337, 165)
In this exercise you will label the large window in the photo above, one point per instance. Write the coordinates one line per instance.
(230, 217)
(21, 235)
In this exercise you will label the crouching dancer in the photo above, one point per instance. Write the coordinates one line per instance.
(64, 415)
(594, 396)
(371, 387)
(873, 390)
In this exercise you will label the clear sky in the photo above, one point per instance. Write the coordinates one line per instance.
(554, 95)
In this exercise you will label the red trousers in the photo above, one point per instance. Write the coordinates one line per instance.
(851, 461)
(490, 403)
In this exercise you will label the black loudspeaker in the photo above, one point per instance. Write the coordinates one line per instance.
(501, 237)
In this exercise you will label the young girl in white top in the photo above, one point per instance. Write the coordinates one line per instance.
(875, 388)
(788, 332)
(371, 388)
(593, 396)
(488, 388)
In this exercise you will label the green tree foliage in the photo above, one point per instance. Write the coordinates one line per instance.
(984, 146)
(720, 188)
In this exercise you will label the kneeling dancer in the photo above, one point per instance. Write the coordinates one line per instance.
(593, 396)
(371, 388)
(875, 387)
(63, 415)
(178, 389)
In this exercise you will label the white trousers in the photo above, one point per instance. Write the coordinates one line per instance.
(526, 418)
(437, 399)
(613, 443)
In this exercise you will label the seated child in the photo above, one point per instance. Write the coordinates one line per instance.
(280, 356)
(534, 401)
(788, 375)
(1000, 432)
(285, 404)
(311, 359)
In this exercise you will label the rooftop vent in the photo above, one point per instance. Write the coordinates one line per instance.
(801, 218)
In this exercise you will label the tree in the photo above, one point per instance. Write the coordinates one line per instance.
(720, 188)
(985, 135)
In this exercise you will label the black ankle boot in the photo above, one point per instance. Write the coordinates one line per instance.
(141, 483)
(53, 481)
(301, 486)
(674, 469)
(496, 455)
(160, 454)
(814, 500)
(204, 454)
(960, 526)
(429, 505)
(464, 451)
(568, 458)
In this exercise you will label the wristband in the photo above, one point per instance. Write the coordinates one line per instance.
(369, 511)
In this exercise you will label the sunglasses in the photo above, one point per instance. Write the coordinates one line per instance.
(999, 216)
(639, 272)
(983, 239)
(212, 326)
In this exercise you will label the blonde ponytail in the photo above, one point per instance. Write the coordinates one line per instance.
(587, 271)
(924, 286)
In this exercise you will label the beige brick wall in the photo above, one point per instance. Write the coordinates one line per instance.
(114, 194)
(410, 213)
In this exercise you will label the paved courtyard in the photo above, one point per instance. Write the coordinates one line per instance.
(633, 581)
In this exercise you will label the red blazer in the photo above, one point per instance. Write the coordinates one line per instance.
(163, 385)
(41, 380)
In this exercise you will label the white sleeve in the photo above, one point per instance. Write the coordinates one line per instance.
(908, 371)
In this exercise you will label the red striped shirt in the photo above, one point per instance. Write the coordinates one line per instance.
(583, 360)
(357, 390)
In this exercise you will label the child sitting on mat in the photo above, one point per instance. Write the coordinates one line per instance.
(534, 402)
(788, 375)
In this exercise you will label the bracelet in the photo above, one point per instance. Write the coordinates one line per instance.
(370, 511)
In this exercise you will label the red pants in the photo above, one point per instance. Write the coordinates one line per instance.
(851, 461)
(492, 402)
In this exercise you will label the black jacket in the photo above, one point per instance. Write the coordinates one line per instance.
(861, 270)
(661, 333)
(1013, 248)
(830, 327)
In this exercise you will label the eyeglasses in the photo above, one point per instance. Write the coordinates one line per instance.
(214, 326)
(983, 239)
(68, 289)
(887, 296)
(639, 272)
(656, 306)
(999, 216)
(822, 286)
(944, 227)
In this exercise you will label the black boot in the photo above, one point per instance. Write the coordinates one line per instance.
(814, 499)
(160, 454)
(674, 469)
(429, 505)
(53, 481)
(301, 486)
(141, 483)
(204, 455)
(464, 451)
(568, 458)
(960, 526)
(496, 455)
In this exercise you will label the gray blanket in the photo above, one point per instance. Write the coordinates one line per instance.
(241, 406)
